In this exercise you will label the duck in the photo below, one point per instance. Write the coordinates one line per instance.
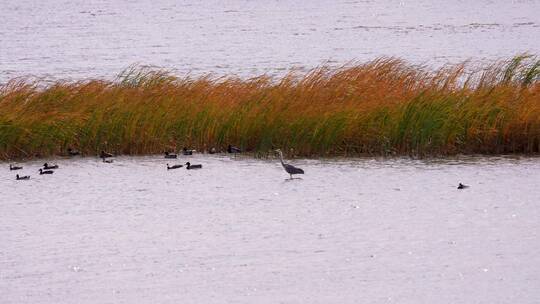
(108, 161)
(23, 177)
(104, 154)
(212, 151)
(173, 167)
(11, 167)
(170, 155)
(73, 152)
(189, 166)
(233, 149)
(46, 166)
(41, 172)
(462, 186)
(186, 151)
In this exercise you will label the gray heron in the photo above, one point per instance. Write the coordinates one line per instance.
(289, 168)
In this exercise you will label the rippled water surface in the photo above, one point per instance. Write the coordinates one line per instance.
(80, 39)
(349, 231)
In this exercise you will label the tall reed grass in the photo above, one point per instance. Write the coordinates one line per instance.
(385, 106)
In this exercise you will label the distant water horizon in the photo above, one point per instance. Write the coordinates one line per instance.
(96, 39)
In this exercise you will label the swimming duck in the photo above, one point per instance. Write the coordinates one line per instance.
(104, 154)
(108, 161)
(186, 151)
(233, 149)
(47, 166)
(11, 167)
(462, 186)
(41, 172)
(189, 166)
(23, 177)
(212, 151)
(73, 152)
(173, 167)
(170, 155)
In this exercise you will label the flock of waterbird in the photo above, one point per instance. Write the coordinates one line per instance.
(47, 169)
(107, 158)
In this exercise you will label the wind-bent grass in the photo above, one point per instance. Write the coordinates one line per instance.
(382, 107)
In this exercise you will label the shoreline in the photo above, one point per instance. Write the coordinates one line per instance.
(271, 156)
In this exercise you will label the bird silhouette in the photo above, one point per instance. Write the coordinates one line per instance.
(11, 167)
(46, 166)
(186, 151)
(170, 155)
(289, 168)
(73, 152)
(189, 166)
(104, 154)
(173, 167)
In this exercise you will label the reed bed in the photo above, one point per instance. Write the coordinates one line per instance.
(383, 107)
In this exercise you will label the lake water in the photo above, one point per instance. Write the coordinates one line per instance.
(350, 231)
(98, 38)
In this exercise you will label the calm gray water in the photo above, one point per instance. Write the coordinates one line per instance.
(350, 231)
(81, 39)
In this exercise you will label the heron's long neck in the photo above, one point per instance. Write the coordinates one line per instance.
(281, 158)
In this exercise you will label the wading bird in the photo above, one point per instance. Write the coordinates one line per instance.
(11, 167)
(189, 166)
(173, 167)
(23, 177)
(46, 166)
(45, 172)
(289, 168)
